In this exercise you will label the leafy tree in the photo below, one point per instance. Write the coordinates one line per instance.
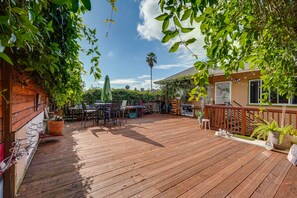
(151, 58)
(256, 33)
(40, 38)
(127, 87)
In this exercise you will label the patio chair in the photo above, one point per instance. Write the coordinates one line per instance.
(124, 113)
(113, 114)
(87, 114)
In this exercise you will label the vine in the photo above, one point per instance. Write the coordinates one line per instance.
(40, 38)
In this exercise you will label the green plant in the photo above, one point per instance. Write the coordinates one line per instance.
(58, 118)
(41, 39)
(199, 114)
(259, 32)
(263, 129)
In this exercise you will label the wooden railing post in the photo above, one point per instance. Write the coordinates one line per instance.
(243, 121)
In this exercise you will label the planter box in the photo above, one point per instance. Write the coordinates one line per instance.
(55, 127)
(133, 115)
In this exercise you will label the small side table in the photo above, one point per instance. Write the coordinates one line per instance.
(204, 123)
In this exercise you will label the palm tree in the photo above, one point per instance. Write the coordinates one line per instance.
(151, 58)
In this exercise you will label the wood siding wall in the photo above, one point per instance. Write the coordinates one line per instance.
(24, 103)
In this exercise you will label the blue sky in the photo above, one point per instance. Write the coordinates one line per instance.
(130, 39)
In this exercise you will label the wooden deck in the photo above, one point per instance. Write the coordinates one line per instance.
(155, 156)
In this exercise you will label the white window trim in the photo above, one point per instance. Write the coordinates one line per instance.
(223, 82)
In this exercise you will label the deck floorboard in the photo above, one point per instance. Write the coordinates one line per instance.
(154, 156)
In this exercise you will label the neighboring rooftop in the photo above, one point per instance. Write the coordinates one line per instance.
(188, 72)
(192, 70)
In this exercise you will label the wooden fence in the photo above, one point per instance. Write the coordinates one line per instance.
(241, 120)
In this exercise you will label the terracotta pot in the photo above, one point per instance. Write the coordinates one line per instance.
(59, 112)
(273, 137)
(55, 127)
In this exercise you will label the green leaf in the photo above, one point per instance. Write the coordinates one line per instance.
(186, 14)
(176, 22)
(166, 38)
(4, 20)
(190, 41)
(29, 69)
(6, 58)
(241, 64)
(251, 58)
(19, 11)
(87, 4)
(208, 10)
(114, 8)
(174, 47)
(165, 24)
(60, 2)
(186, 30)
(161, 17)
(199, 19)
(162, 2)
(74, 5)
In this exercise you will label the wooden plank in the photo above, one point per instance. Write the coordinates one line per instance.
(182, 186)
(251, 183)
(288, 187)
(211, 182)
(272, 182)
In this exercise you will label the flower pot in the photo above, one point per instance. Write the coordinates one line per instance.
(55, 127)
(273, 137)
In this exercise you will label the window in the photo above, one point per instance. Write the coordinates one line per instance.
(255, 92)
(223, 92)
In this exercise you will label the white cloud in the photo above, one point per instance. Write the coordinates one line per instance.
(143, 76)
(123, 81)
(168, 66)
(151, 29)
(138, 82)
(110, 54)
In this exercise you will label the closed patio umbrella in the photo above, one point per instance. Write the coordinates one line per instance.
(106, 95)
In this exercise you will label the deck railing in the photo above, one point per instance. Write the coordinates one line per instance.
(241, 120)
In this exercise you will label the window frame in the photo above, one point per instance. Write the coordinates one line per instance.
(249, 94)
(289, 103)
(230, 92)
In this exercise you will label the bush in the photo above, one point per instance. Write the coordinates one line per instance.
(132, 96)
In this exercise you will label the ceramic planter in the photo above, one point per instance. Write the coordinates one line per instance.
(55, 127)
(273, 137)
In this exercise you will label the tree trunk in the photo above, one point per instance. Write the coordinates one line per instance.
(151, 78)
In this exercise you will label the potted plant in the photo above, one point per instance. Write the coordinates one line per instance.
(55, 126)
(200, 116)
(278, 136)
(293, 134)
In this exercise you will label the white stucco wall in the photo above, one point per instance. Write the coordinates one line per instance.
(24, 162)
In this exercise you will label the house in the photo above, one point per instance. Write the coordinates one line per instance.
(234, 103)
(22, 105)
